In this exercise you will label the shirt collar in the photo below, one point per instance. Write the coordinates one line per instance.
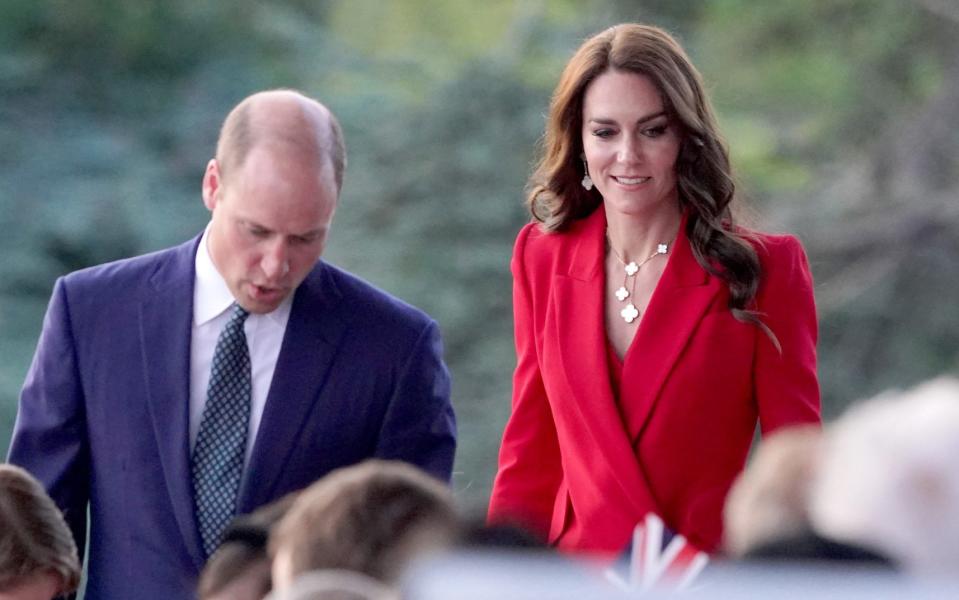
(211, 295)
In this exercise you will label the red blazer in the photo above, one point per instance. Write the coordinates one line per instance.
(695, 381)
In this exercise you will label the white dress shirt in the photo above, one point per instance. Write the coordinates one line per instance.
(264, 335)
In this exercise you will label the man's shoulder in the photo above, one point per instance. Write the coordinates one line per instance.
(367, 302)
(131, 273)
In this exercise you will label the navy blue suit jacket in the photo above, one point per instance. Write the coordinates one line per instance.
(103, 415)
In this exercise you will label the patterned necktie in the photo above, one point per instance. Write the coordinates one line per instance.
(217, 461)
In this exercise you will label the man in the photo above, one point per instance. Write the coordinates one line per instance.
(173, 390)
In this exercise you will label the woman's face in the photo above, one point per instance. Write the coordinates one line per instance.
(630, 143)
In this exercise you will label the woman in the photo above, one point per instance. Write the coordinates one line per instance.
(651, 331)
(38, 558)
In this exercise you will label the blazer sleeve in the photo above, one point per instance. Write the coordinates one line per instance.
(419, 426)
(530, 471)
(786, 384)
(49, 437)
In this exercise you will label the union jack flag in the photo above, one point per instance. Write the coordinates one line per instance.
(657, 557)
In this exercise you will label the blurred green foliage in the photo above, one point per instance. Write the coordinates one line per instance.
(111, 109)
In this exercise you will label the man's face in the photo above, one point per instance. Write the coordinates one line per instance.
(271, 218)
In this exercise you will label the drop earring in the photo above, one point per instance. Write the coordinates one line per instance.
(587, 181)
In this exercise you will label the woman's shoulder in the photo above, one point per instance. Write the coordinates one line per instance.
(534, 239)
(535, 248)
(541, 253)
(782, 258)
(775, 247)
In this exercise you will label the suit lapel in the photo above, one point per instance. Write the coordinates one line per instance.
(579, 325)
(309, 347)
(166, 320)
(684, 293)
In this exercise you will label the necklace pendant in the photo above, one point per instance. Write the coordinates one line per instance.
(629, 313)
(662, 249)
(622, 293)
(631, 269)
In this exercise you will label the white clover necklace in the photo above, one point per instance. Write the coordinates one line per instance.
(631, 268)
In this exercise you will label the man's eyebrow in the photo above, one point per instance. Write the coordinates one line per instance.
(249, 222)
(312, 232)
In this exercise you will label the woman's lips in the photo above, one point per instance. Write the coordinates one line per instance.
(630, 180)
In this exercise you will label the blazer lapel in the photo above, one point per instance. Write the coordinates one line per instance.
(309, 347)
(684, 293)
(579, 325)
(166, 321)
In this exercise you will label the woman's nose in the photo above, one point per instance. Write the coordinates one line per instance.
(629, 150)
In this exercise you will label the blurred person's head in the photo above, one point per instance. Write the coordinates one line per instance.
(240, 568)
(694, 161)
(477, 534)
(373, 518)
(889, 480)
(335, 584)
(272, 191)
(768, 501)
(38, 557)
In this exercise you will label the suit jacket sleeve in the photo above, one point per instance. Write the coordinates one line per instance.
(530, 471)
(49, 438)
(419, 426)
(786, 385)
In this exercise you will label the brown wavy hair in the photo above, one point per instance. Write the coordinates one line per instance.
(703, 173)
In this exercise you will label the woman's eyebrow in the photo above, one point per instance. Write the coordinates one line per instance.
(605, 121)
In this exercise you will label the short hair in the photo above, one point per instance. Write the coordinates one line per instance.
(34, 537)
(372, 518)
(316, 132)
(335, 584)
(244, 546)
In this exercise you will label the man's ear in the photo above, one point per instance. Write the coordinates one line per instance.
(211, 183)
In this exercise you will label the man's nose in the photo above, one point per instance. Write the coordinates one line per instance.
(275, 262)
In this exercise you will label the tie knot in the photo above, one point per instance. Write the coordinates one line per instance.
(238, 313)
